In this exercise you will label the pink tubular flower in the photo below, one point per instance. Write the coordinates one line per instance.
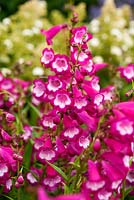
(27, 133)
(126, 108)
(99, 66)
(9, 117)
(31, 178)
(7, 84)
(47, 56)
(90, 121)
(46, 155)
(60, 63)
(43, 196)
(87, 67)
(125, 127)
(50, 34)
(6, 155)
(54, 83)
(79, 57)
(108, 93)
(127, 72)
(79, 99)
(98, 99)
(62, 100)
(71, 197)
(80, 35)
(5, 136)
(39, 89)
(50, 120)
(70, 132)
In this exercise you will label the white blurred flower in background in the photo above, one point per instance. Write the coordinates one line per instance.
(115, 50)
(8, 43)
(98, 59)
(38, 71)
(27, 32)
(6, 21)
(38, 24)
(95, 42)
(94, 25)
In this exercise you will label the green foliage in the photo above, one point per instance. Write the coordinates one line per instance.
(9, 7)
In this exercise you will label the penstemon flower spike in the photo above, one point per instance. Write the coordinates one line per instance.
(81, 144)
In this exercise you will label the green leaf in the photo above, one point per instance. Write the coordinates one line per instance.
(128, 191)
(27, 155)
(18, 125)
(75, 164)
(5, 196)
(67, 190)
(58, 170)
(34, 109)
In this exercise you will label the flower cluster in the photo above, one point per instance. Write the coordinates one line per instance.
(80, 144)
(84, 131)
(12, 98)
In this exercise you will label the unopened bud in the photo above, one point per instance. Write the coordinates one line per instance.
(20, 179)
(97, 145)
(17, 185)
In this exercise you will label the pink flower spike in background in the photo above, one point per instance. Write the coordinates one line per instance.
(50, 34)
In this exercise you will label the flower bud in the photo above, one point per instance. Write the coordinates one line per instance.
(97, 145)
(17, 185)
(9, 117)
(20, 179)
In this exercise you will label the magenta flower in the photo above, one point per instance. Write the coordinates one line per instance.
(87, 67)
(62, 100)
(79, 57)
(47, 56)
(31, 178)
(5, 136)
(71, 197)
(98, 99)
(7, 84)
(108, 93)
(50, 34)
(9, 117)
(27, 133)
(125, 127)
(80, 35)
(50, 120)
(42, 195)
(60, 63)
(126, 108)
(46, 155)
(39, 89)
(127, 72)
(54, 84)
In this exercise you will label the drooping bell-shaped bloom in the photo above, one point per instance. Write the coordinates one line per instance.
(126, 108)
(5, 136)
(90, 121)
(50, 33)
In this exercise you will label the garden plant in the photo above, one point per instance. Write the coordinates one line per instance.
(64, 136)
